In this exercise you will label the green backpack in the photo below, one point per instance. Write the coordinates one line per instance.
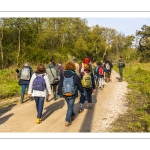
(87, 80)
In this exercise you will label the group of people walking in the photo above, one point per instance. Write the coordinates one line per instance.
(68, 81)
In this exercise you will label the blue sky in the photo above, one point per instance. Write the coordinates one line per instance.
(127, 26)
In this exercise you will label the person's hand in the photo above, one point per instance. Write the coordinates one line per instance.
(94, 90)
(30, 95)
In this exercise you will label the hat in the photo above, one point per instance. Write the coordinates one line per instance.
(26, 64)
(75, 59)
(86, 60)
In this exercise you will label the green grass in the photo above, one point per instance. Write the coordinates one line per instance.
(9, 83)
(137, 119)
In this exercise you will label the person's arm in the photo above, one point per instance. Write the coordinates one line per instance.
(48, 84)
(93, 82)
(79, 85)
(60, 85)
(30, 85)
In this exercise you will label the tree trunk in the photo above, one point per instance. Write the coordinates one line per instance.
(18, 48)
(1, 48)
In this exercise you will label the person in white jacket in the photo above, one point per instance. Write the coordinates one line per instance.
(38, 87)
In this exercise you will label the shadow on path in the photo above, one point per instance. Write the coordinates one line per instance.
(53, 107)
(5, 118)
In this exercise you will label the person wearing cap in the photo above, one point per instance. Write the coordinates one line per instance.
(77, 66)
(24, 76)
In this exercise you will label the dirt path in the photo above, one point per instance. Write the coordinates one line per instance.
(107, 105)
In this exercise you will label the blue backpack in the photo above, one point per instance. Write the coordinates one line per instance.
(68, 88)
(39, 83)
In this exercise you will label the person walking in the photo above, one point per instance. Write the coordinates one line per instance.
(60, 66)
(121, 65)
(100, 75)
(108, 65)
(54, 76)
(24, 76)
(88, 84)
(38, 88)
(68, 88)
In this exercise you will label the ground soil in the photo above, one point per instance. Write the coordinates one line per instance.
(108, 104)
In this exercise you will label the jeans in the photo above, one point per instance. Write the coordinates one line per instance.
(24, 86)
(39, 105)
(70, 102)
(88, 96)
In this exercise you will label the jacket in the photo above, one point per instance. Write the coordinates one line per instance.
(36, 92)
(25, 82)
(77, 82)
(51, 76)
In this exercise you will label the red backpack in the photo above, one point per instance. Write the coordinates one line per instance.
(101, 70)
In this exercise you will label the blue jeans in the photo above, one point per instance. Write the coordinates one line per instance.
(88, 96)
(39, 105)
(70, 102)
(24, 86)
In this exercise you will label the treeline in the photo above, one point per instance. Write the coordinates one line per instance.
(41, 39)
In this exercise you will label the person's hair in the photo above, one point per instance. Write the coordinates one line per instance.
(121, 57)
(53, 62)
(70, 66)
(40, 69)
(86, 67)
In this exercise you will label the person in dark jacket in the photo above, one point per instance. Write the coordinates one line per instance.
(88, 87)
(70, 72)
(24, 79)
(121, 65)
(108, 65)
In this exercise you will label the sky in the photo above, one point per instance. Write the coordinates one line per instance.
(126, 26)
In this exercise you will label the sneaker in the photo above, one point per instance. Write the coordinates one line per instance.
(67, 123)
(38, 120)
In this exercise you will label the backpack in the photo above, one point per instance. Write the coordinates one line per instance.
(25, 74)
(39, 83)
(107, 66)
(52, 74)
(101, 70)
(87, 80)
(68, 88)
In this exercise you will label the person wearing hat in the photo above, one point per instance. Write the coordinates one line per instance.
(24, 76)
(77, 66)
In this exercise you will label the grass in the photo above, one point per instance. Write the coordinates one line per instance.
(9, 83)
(137, 118)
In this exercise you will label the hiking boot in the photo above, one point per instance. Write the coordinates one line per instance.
(22, 97)
(90, 107)
(38, 120)
(67, 124)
